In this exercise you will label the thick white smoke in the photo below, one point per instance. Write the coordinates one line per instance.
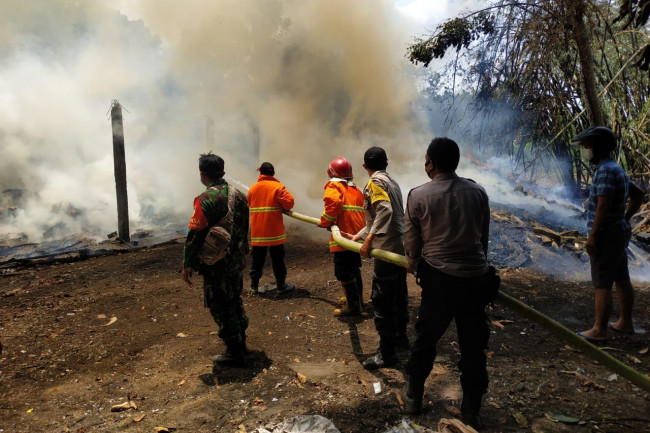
(298, 82)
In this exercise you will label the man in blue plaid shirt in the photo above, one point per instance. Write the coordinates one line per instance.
(608, 222)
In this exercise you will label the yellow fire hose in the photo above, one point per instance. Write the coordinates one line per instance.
(555, 328)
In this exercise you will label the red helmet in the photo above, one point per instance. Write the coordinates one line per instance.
(340, 167)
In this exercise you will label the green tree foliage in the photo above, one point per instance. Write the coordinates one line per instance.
(526, 56)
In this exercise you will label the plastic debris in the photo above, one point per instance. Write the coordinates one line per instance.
(302, 424)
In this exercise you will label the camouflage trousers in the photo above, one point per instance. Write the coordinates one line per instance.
(222, 296)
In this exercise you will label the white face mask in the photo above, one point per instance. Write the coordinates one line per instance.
(586, 154)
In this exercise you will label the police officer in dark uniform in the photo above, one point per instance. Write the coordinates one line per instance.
(447, 226)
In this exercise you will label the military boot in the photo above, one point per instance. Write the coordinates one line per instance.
(233, 356)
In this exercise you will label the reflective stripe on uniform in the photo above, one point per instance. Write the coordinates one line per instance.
(265, 209)
(269, 239)
(327, 217)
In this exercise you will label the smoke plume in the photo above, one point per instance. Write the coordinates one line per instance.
(292, 82)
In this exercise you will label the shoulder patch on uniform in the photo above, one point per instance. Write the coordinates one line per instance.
(377, 193)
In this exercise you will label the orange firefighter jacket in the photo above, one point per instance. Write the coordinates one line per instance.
(267, 199)
(344, 207)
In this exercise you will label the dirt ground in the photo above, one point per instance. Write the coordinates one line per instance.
(84, 336)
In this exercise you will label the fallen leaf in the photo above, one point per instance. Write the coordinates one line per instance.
(301, 377)
(520, 419)
(30, 410)
(490, 355)
(495, 405)
(296, 360)
(181, 335)
(164, 429)
(634, 359)
(643, 351)
(140, 418)
(101, 316)
(497, 324)
(110, 322)
(182, 382)
(124, 406)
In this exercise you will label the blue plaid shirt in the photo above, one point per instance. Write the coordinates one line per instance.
(609, 180)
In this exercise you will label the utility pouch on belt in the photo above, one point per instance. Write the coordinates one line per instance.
(217, 242)
(492, 283)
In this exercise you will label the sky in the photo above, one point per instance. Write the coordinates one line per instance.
(294, 82)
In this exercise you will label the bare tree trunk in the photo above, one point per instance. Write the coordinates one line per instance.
(119, 162)
(586, 62)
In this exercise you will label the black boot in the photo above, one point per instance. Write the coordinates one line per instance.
(233, 356)
(244, 347)
(412, 394)
(284, 289)
(380, 360)
(470, 408)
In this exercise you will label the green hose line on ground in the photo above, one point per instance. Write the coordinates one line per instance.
(508, 301)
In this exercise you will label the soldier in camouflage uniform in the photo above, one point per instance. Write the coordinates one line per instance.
(223, 281)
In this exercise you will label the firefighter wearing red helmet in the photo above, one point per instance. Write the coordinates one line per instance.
(343, 206)
(340, 168)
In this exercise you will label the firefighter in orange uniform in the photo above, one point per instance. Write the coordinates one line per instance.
(267, 200)
(343, 203)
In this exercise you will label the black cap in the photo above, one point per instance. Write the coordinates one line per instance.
(266, 168)
(375, 158)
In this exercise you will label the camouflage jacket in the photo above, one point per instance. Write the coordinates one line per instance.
(209, 208)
